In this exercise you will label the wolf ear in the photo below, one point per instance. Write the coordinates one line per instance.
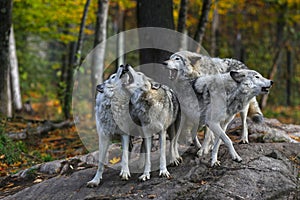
(237, 76)
(155, 85)
(194, 60)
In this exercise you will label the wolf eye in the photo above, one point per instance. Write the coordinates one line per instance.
(257, 77)
(177, 58)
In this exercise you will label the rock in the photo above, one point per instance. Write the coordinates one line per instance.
(271, 130)
(268, 171)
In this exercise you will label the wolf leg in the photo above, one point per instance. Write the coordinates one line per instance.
(244, 139)
(147, 169)
(218, 131)
(125, 173)
(163, 164)
(103, 146)
(208, 143)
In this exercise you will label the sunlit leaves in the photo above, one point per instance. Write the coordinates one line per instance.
(51, 19)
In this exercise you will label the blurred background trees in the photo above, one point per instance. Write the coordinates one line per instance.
(264, 34)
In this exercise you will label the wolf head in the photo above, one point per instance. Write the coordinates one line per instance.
(251, 81)
(133, 80)
(188, 65)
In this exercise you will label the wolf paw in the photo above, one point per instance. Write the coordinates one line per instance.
(216, 163)
(164, 173)
(144, 177)
(125, 175)
(176, 161)
(237, 159)
(244, 141)
(202, 152)
(93, 183)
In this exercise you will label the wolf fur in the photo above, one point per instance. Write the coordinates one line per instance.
(185, 66)
(221, 96)
(107, 127)
(156, 109)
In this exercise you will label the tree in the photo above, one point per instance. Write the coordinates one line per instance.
(97, 67)
(182, 16)
(202, 23)
(74, 62)
(14, 72)
(154, 13)
(5, 25)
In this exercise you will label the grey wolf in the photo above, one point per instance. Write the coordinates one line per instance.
(184, 67)
(106, 127)
(155, 108)
(221, 96)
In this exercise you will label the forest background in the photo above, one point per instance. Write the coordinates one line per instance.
(264, 34)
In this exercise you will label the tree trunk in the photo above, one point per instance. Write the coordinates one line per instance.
(14, 72)
(69, 82)
(182, 16)
(154, 13)
(97, 67)
(202, 23)
(74, 62)
(121, 45)
(6, 21)
(288, 76)
(79, 44)
(215, 32)
(238, 49)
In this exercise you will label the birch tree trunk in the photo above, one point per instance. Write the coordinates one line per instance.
(97, 67)
(14, 72)
(6, 21)
(215, 32)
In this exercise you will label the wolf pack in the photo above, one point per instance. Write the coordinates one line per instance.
(206, 93)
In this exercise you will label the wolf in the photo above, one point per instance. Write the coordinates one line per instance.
(107, 127)
(185, 66)
(155, 108)
(221, 96)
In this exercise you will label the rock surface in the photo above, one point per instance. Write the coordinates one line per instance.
(268, 171)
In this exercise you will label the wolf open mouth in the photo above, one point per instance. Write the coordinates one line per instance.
(128, 79)
(265, 89)
(173, 74)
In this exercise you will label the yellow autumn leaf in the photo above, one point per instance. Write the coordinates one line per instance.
(115, 160)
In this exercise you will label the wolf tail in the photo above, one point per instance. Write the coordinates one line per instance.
(255, 112)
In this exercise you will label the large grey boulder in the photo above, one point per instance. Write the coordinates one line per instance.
(268, 171)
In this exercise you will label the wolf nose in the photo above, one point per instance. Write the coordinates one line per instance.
(272, 82)
(165, 63)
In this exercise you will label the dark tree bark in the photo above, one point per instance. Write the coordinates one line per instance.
(79, 44)
(289, 66)
(6, 21)
(199, 34)
(182, 16)
(74, 62)
(154, 13)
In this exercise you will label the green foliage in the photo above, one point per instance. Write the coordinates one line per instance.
(10, 149)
